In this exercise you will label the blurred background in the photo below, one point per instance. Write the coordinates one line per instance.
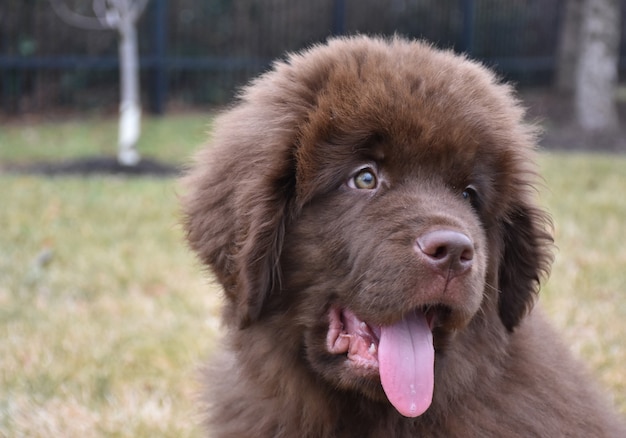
(196, 52)
(62, 57)
(105, 315)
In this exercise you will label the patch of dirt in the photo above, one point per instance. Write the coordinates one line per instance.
(103, 165)
(553, 112)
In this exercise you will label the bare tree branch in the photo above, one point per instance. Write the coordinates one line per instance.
(110, 15)
(119, 12)
(107, 13)
(138, 7)
(99, 7)
(78, 20)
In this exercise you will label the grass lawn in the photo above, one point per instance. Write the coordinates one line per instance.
(105, 316)
(170, 139)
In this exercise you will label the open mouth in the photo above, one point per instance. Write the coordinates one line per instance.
(348, 334)
(402, 353)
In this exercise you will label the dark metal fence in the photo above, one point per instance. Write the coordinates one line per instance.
(196, 52)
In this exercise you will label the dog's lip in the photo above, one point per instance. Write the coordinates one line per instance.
(352, 336)
(358, 339)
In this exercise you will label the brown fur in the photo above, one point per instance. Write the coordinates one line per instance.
(270, 209)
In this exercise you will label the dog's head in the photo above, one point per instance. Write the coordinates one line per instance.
(380, 193)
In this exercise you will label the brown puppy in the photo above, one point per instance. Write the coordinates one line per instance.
(368, 207)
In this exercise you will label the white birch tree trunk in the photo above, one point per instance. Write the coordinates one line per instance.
(130, 105)
(596, 79)
(121, 15)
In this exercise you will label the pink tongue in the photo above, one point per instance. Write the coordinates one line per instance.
(406, 363)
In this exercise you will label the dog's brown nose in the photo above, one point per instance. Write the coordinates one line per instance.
(451, 253)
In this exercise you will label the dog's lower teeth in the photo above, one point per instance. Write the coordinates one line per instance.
(372, 348)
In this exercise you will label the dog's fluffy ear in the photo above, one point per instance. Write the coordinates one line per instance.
(235, 210)
(526, 260)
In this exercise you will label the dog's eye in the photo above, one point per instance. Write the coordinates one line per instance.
(471, 195)
(365, 179)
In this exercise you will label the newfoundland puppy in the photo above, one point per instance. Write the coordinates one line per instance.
(368, 207)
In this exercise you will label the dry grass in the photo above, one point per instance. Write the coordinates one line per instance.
(170, 139)
(586, 294)
(105, 315)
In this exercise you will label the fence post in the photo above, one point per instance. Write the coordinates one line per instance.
(468, 11)
(339, 17)
(158, 95)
